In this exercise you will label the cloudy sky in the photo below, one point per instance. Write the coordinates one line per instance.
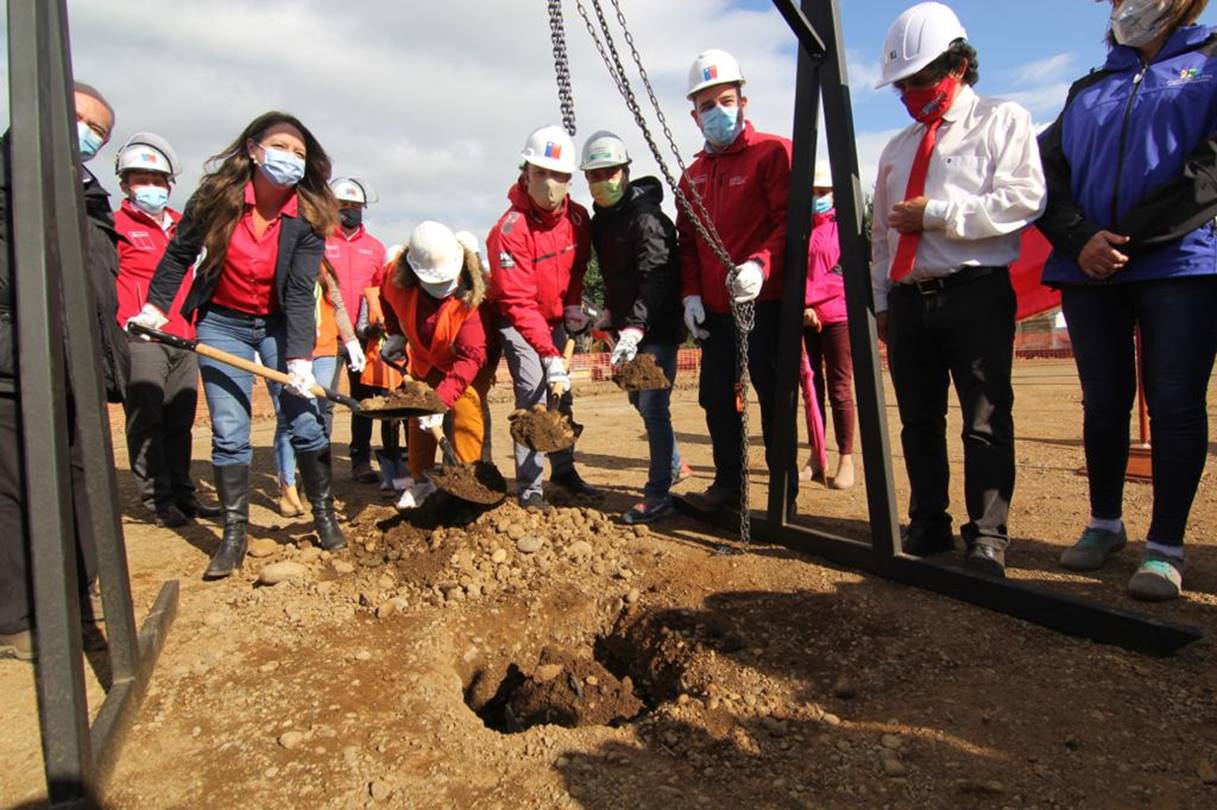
(431, 101)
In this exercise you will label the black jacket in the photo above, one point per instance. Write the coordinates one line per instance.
(635, 244)
(296, 272)
(101, 258)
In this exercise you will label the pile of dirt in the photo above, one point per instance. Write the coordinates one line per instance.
(641, 374)
(479, 482)
(412, 395)
(568, 690)
(542, 430)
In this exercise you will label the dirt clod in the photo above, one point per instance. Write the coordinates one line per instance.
(572, 691)
(542, 430)
(412, 395)
(641, 374)
(278, 572)
(479, 482)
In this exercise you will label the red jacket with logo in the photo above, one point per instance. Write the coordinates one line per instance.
(538, 259)
(359, 263)
(745, 189)
(139, 251)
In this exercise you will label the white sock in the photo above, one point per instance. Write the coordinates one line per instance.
(1108, 525)
(1174, 552)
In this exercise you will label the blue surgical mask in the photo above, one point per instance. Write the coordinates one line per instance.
(281, 167)
(821, 205)
(721, 125)
(90, 141)
(439, 290)
(150, 199)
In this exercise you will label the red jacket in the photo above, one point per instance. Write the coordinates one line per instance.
(359, 263)
(537, 261)
(745, 189)
(825, 284)
(139, 251)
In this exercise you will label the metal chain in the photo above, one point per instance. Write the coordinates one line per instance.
(557, 35)
(742, 313)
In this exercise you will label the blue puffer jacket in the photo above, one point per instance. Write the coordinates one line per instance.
(1135, 152)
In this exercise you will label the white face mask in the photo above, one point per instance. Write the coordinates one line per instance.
(439, 289)
(1137, 22)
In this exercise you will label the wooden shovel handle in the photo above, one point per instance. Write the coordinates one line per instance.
(568, 351)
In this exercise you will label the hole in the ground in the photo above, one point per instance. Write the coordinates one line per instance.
(625, 674)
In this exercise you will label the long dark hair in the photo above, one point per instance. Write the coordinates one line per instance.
(217, 206)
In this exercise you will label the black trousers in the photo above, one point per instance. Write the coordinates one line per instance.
(162, 396)
(963, 334)
(716, 390)
(361, 426)
(16, 586)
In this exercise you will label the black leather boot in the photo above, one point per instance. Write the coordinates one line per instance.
(315, 472)
(232, 487)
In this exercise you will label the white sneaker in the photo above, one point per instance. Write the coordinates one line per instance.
(415, 496)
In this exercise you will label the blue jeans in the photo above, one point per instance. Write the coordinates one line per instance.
(228, 389)
(1178, 343)
(325, 369)
(657, 417)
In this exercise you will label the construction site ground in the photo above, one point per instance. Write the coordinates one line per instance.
(569, 661)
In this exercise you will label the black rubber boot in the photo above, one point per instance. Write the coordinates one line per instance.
(315, 472)
(232, 487)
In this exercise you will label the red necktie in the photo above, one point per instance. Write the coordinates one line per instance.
(906, 251)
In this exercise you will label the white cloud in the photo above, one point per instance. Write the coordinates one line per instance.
(1045, 71)
(1041, 101)
(431, 102)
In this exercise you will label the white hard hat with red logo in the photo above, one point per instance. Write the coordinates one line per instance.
(713, 67)
(147, 151)
(550, 147)
(434, 254)
(352, 189)
(918, 36)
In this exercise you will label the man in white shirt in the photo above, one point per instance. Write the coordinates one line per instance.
(954, 191)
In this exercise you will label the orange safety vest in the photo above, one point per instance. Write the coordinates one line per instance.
(377, 373)
(327, 326)
(452, 316)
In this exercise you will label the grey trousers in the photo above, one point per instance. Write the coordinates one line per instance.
(162, 395)
(528, 381)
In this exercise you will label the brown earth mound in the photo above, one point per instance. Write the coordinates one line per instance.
(572, 691)
(542, 430)
(413, 395)
(641, 374)
(479, 482)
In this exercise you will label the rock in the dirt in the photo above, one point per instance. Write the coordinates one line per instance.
(547, 672)
(308, 555)
(633, 596)
(262, 547)
(387, 609)
(893, 766)
(1206, 772)
(380, 790)
(291, 739)
(580, 548)
(343, 567)
(892, 741)
(278, 572)
(530, 544)
(499, 555)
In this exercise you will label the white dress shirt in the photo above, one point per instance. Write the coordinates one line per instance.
(985, 184)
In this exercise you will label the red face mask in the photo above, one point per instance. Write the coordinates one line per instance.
(928, 104)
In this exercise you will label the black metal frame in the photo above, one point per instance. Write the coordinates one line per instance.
(48, 247)
(822, 74)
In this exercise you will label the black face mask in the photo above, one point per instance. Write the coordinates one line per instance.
(351, 217)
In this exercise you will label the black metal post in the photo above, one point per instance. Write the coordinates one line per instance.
(62, 702)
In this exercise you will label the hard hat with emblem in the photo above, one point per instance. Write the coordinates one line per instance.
(550, 147)
(602, 150)
(918, 36)
(147, 151)
(352, 189)
(434, 254)
(823, 175)
(713, 67)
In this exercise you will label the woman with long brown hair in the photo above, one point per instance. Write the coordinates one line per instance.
(257, 226)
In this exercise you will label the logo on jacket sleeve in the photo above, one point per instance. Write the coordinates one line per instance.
(506, 262)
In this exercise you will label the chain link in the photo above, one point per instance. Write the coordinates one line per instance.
(557, 35)
(742, 313)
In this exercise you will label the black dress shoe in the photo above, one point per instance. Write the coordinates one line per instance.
(574, 484)
(987, 559)
(536, 501)
(193, 508)
(170, 516)
(922, 540)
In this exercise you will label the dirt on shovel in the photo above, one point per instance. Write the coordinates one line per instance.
(411, 396)
(479, 482)
(641, 374)
(542, 430)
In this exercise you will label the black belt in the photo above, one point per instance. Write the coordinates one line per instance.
(961, 276)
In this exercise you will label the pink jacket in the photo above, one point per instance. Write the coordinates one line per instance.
(825, 284)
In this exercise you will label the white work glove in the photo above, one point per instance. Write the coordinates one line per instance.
(393, 348)
(746, 282)
(431, 421)
(416, 495)
(695, 316)
(575, 320)
(555, 372)
(355, 359)
(627, 346)
(149, 316)
(302, 379)
(604, 322)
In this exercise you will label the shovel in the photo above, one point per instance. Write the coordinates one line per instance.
(535, 428)
(203, 350)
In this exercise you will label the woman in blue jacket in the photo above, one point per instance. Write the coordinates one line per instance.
(1132, 194)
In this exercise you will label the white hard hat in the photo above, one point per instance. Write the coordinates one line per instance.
(602, 150)
(468, 241)
(434, 254)
(352, 189)
(918, 36)
(149, 152)
(550, 147)
(823, 175)
(713, 67)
